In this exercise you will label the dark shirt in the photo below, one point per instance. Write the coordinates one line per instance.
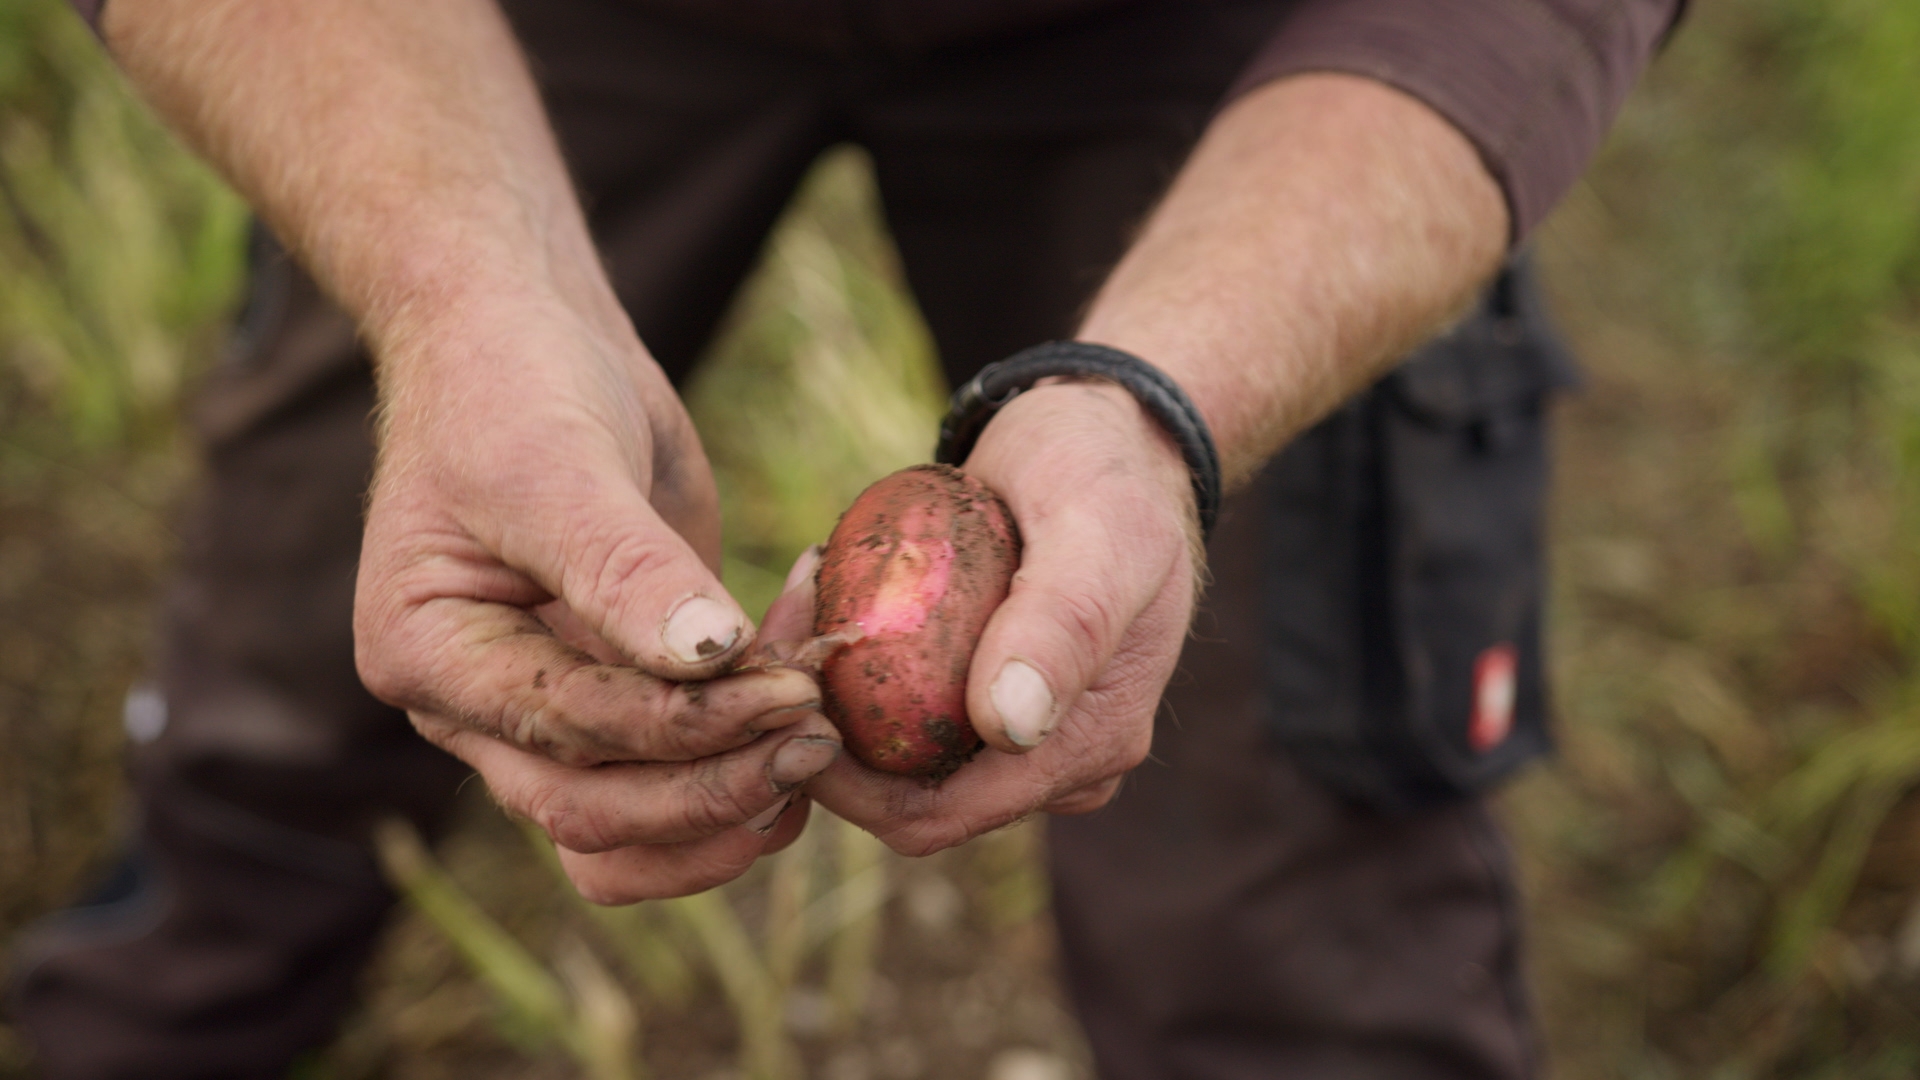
(1533, 83)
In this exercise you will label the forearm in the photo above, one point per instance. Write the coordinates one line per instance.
(1323, 227)
(399, 148)
(538, 584)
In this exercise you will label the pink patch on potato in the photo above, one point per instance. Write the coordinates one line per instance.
(918, 563)
(914, 583)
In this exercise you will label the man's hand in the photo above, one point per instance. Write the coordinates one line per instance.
(1068, 673)
(1325, 224)
(537, 590)
(537, 585)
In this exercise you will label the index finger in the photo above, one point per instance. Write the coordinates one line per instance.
(501, 672)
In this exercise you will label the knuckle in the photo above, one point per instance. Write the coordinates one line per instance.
(541, 727)
(439, 732)
(595, 713)
(698, 719)
(1086, 800)
(387, 654)
(519, 727)
(928, 836)
(683, 731)
(1089, 620)
(1064, 779)
(711, 802)
(1135, 746)
(551, 805)
(380, 674)
(613, 565)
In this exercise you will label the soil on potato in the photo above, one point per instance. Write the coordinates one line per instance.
(918, 562)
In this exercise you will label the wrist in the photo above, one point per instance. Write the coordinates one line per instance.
(449, 283)
(1157, 400)
(473, 371)
(1096, 434)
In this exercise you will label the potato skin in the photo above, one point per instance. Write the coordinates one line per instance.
(917, 563)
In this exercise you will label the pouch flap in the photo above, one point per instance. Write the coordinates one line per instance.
(1504, 356)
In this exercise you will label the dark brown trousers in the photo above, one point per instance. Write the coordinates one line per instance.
(1226, 917)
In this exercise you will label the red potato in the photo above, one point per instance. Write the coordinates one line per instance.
(917, 564)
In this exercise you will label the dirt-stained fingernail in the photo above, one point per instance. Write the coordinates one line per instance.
(800, 760)
(764, 821)
(701, 628)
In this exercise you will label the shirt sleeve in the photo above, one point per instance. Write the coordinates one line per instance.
(1534, 84)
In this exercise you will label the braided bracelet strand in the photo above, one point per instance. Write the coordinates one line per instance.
(974, 404)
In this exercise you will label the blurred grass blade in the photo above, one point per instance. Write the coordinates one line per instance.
(854, 906)
(765, 1052)
(856, 896)
(788, 889)
(537, 1002)
(607, 1027)
(1812, 911)
(645, 948)
(1849, 786)
(118, 250)
(634, 930)
(1011, 871)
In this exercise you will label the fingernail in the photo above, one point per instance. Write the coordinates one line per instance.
(800, 760)
(765, 820)
(803, 567)
(700, 629)
(1025, 705)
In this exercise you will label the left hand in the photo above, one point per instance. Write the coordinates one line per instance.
(1067, 676)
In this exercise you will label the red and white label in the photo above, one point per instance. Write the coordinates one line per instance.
(1495, 673)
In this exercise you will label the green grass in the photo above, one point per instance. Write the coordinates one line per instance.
(118, 252)
(1714, 859)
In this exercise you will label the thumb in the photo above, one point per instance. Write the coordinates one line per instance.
(1080, 588)
(634, 580)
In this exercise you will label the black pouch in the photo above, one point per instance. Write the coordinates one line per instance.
(1404, 598)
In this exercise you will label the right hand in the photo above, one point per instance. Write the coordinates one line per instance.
(538, 590)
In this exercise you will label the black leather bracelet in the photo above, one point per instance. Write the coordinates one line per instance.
(976, 403)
